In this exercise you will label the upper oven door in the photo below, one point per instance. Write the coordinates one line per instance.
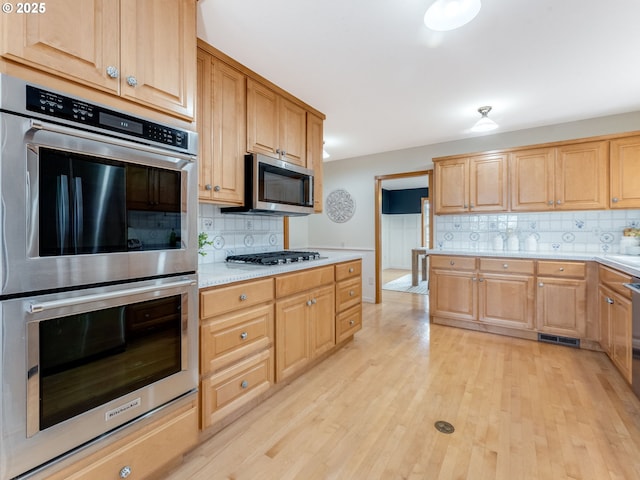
(79, 208)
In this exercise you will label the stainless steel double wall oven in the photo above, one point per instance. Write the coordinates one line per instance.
(98, 254)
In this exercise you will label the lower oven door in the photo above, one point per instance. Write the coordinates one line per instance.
(80, 364)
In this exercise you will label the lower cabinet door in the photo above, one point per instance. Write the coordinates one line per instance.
(506, 300)
(228, 390)
(322, 320)
(621, 337)
(292, 335)
(561, 306)
(453, 295)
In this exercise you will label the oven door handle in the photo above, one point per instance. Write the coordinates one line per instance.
(67, 302)
(48, 127)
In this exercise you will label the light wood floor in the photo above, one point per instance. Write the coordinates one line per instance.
(521, 410)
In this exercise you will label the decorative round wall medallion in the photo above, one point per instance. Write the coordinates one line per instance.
(340, 206)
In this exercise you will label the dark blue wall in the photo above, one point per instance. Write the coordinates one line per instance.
(395, 202)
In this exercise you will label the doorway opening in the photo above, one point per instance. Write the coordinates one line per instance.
(407, 234)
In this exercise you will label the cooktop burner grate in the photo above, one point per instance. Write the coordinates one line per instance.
(274, 258)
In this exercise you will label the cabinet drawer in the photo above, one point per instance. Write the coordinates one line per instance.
(230, 337)
(615, 280)
(348, 323)
(348, 293)
(507, 265)
(300, 281)
(446, 262)
(228, 390)
(144, 452)
(561, 269)
(348, 270)
(224, 299)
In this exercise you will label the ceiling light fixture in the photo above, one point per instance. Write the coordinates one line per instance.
(485, 124)
(445, 15)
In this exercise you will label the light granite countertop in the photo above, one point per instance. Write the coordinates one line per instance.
(213, 274)
(626, 263)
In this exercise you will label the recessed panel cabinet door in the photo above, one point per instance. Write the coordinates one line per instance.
(159, 53)
(452, 186)
(74, 40)
(292, 335)
(506, 300)
(531, 173)
(625, 173)
(488, 183)
(453, 295)
(262, 119)
(561, 306)
(581, 176)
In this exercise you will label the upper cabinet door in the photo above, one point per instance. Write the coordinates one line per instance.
(582, 176)
(625, 173)
(262, 119)
(452, 186)
(488, 183)
(293, 128)
(315, 141)
(159, 54)
(531, 173)
(75, 40)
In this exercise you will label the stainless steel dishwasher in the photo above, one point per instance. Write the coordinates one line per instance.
(635, 334)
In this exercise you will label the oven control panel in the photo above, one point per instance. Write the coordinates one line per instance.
(60, 106)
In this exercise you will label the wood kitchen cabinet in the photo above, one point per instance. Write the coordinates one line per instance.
(221, 120)
(616, 319)
(348, 299)
(315, 142)
(236, 347)
(494, 292)
(305, 318)
(473, 184)
(276, 126)
(568, 177)
(142, 51)
(561, 298)
(625, 172)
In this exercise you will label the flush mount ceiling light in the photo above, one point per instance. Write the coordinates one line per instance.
(445, 15)
(485, 124)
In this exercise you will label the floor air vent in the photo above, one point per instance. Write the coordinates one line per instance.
(568, 341)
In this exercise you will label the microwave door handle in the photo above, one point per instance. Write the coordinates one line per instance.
(97, 297)
(62, 211)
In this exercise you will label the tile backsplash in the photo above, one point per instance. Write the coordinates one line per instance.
(597, 231)
(236, 234)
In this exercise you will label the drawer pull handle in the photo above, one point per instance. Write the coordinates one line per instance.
(352, 322)
(243, 297)
(505, 266)
(451, 262)
(541, 284)
(561, 269)
(244, 384)
(244, 335)
(351, 270)
(125, 472)
(351, 293)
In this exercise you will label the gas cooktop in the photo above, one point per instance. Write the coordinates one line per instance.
(274, 258)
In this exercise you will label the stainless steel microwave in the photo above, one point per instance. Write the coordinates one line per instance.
(275, 187)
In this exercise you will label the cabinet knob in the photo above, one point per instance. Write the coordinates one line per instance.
(614, 199)
(466, 206)
(451, 262)
(113, 71)
(471, 205)
(352, 322)
(208, 186)
(308, 303)
(132, 81)
(558, 202)
(610, 301)
(216, 188)
(506, 265)
(541, 284)
(351, 293)
(561, 269)
(244, 384)
(351, 270)
(473, 279)
(550, 202)
(243, 297)
(125, 472)
(284, 153)
(244, 335)
(313, 301)
(278, 151)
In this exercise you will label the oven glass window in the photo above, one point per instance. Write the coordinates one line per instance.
(278, 185)
(89, 359)
(91, 205)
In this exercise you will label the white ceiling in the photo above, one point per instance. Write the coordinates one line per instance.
(385, 82)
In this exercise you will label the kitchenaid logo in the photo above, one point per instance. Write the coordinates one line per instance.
(122, 409)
